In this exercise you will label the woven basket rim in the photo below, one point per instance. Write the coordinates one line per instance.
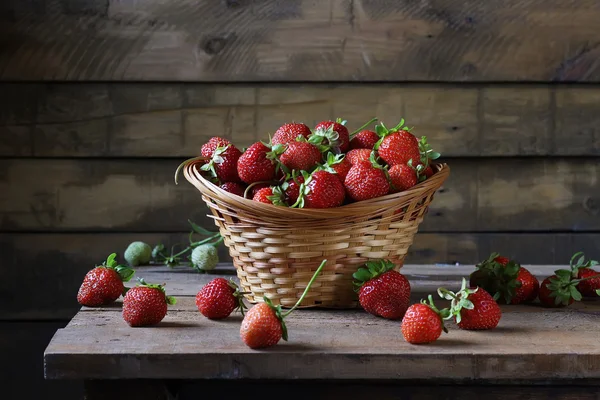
(397, 200)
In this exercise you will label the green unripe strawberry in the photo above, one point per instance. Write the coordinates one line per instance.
(204, 257)
(138, 253)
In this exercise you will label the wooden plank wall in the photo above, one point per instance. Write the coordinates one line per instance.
(101, 100)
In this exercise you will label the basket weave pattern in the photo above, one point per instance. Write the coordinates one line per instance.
(276, 250)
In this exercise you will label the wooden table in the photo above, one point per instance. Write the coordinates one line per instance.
(331, 354)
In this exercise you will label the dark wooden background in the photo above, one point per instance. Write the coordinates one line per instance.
(101, 100)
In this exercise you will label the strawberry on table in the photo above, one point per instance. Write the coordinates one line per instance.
(472, 308)
(145, 304)
(104, 284)
(382, 291)
(219, 298)
(583, 269)
(264, 326)
(367, 180)
(364, 139)
(289, 133)
(505, 279)
(423, 322)
(259, 163)
(562, 288)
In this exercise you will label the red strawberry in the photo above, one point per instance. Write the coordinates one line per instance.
(359, 155)
(292, 188)
(364, 140)
(505, 280)
(399, 148)
(263, 325)
(208, 149)
(559, 290)
(301, 156)
(332, 134)
(256, 187)
(402, 177)
(324, 191)
(423, 323)
(146, 304)
(104, 284)
(337, 164)
(234, 187)
(366, 180)
(270, 195)
(472, 308)
(381, 290)
(582, 269)
(223, 163)
(219, 298)
(258, 163)
(289, 133)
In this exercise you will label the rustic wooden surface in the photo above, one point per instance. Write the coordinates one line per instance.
(174, 120)
(347, 40)
(53, 264)
(531, 343)
(141, 195)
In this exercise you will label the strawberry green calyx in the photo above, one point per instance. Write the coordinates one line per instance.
(273, 155)
(303, 190)
(217, 158)
(371, 270)
(444, 313)
(169, 299)
(278, 197)
(239, 295)
(580, 263)
(282, 315)
(458, 300)
(352, 134)
(426, 152)
(125, 272)
(497, 279)
(598, 292)
(326, 140)
(564, 287)
(331, 160)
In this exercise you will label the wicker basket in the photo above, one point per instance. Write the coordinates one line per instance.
(276, 250)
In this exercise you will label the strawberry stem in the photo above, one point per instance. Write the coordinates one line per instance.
(317, 272)
(362, 127)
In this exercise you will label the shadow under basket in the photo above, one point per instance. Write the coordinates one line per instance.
(276, 249)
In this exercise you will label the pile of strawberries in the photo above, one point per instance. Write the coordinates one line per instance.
(382, 292)
(320, 168)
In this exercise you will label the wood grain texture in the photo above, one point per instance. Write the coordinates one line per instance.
(185, 345)
(140, 195)
(53, 265)
(174, 120)
(132, 389)
(341, 40)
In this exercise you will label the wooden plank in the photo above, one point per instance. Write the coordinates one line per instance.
(297, 390)
(188, 346)
(65, 258)
(173, 120)
(480, 195)
(23, 376)
(342, 40)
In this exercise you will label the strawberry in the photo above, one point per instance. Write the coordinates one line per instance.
(382, 291)
(292, 187)
(270, 195)
(583, 269)
(364, 140)
(234, 188)
(146, 304)
(359, 155)
(559, 290)
(259, 163)
(472, 308)
(301, 156)
(321, 189)
(402, 177)
(219, 298)
(223, 163)
(208, 149)
(332, 135)
(367, 180)
(289, 133)
(104, 284)
(423, 323)
(263, 326)
(255, 187)
(506, 280)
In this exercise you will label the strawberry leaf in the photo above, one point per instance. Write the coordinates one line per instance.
(125, 273)
(111, 261)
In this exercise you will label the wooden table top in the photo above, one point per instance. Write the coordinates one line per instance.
(531, 343)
